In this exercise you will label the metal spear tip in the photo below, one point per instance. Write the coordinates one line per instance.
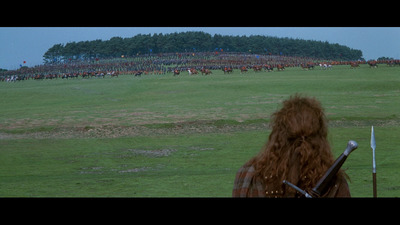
(351, 146)
(373, 144)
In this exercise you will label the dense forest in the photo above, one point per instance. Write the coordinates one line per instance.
(144, 44)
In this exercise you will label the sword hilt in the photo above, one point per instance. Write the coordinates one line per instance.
(323, 183)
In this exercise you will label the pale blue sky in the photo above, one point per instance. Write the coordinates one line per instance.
(18, 44)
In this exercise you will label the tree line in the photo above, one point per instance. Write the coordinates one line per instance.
(197, 41)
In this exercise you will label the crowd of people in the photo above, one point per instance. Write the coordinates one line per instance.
(161, 64)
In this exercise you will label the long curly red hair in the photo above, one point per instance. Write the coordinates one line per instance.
(297, 149)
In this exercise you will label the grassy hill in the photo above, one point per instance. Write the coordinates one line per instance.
(179, 136)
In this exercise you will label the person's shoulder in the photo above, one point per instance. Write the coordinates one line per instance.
(243, 180)
(246, 168)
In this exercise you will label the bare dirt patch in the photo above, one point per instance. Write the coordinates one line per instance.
(110, 130)
(152, 153)
(114, 131)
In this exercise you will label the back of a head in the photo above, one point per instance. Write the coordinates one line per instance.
(300, 117)
(297, 149)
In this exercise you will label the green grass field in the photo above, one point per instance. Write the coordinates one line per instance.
(183, 136)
